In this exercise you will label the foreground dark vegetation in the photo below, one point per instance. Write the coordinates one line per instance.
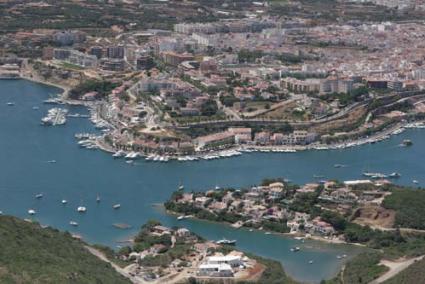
(32, 254)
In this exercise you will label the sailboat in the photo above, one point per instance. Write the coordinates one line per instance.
(181, 186)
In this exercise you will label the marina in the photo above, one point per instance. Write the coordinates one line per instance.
(81, 175)
(55, 116)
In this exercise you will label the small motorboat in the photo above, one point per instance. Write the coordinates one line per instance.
(415, 181)
(394, 175)
(10, 103)
(64, 201)
(39, 196)
(310, 262)
(73, 223)
(180, 218)
(51, 161)
(295, 249)
(81, 209)
(181, 187)
(98, 199)
(31, 212)
(339, 166)
(407, 142)
(117, 206)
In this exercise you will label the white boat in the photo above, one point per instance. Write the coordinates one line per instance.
(51, 161)
(10, 103)
(39, 196)
(31, 212)
(295, 249)
(374, 175)
(64, 201)
(415, 181)
(130, 155)
(73, 223)
(180, 218)
(81, 209)
(1, 212)
(226, 242)
(119, 154)
(394, 175)
(98, 199)
(35, 107)
(117, 206)
(181, 187)
(217, 187)
(310, 262)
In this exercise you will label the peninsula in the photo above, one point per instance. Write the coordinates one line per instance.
(382, 217)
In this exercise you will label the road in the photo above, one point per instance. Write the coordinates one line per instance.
(120, 270)
(395, 268)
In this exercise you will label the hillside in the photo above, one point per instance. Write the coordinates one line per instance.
(31, 254)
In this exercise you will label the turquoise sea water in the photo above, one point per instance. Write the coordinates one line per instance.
(80, 174)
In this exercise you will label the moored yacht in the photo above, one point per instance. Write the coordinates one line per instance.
(226, 242)
(31, 212)
(394, 175)
(81, 209)
(407, 142)
(119, 154)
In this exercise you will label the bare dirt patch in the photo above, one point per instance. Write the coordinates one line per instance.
(375, 216)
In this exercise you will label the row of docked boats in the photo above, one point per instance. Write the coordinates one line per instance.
(88, 144)
(381, 175)
(98, 122)
(165, 158)
(394, 175)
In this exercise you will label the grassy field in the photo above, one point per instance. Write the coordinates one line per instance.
(31, 254)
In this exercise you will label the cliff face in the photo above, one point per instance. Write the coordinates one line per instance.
(31, 254)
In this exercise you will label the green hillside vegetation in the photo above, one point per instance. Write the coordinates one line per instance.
(32, 254)
(409, 206)
(413, 274)
(361, 269)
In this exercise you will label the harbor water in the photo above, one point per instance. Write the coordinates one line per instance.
(79, 175)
